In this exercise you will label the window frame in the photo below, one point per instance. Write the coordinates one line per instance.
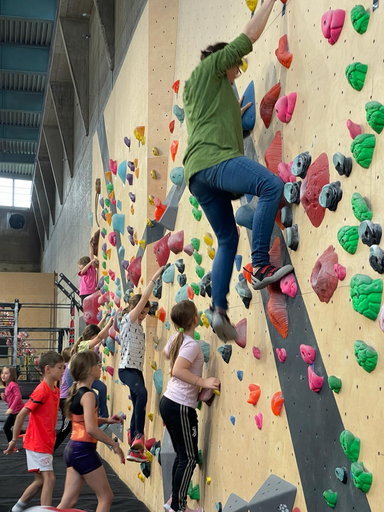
(13, 206)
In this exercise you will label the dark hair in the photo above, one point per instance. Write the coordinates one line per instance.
(213, 48)
(182, 316)
(133, 302)
(90, 332)
(12, 376)
(84, 261)
(81, 365)
(66, 353)
(50, 358)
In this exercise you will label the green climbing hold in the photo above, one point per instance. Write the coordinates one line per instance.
(360, 208)
(334, 383)
(107, 203)
(366, 356)
(200, 271)
(350, 445)
(104, 264)
(105, 255)
(362, 149)
(195, 493)
(106, 279)
(200, 462)
(375, 115)
(106, 351)
(360, 19)
(366, 295)
(105, 287)
(197, 214)
(196, 291)
(362, 479)
(197, 257)
(193, 201)
(356, 73)
(195, 242)
(196, 335)
(348, 237)
(108, 397)
(330, 497)
(110, 187)
(190, 487)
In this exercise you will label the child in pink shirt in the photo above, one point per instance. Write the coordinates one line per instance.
(178, 405)
(87, 273)
(12, 396)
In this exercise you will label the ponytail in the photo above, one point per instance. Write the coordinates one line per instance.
(75, 347)
(90, 332)
(174, 352)
(182, 315)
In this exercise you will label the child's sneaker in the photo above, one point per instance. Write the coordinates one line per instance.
(138, 442)
(269, 274)
(136, 456)
(167, 506)
(222, 325)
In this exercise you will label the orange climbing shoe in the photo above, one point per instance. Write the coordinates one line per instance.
(222, 325)
(138, 442)
(264, 276)
(136, 456)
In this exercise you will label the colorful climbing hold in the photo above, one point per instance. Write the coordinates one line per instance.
(348, 237)
(226, 352)
(366, 295)
(249, 117)
(360, 19)
(315, 381)
(174, 147)
(285, 107)
(162, 250)
(350, 445)
(267, 104)
(375, 115)
(330, 497)
(232, 419)
(360, 207)
(340, 271)
(361, 478)
(366, 356)
(356, 73)
(323, 278)
(332, 23)
(334, 383)
(281, 354)
(277, 403)
(254, 394)
(282, 53)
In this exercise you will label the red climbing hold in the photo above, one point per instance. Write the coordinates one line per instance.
(308, 353)
(273, 155)
(254, 394)
(110, 370)
(172, 126)
(190, 292)
(161, 314)
(277, 403)
(324, 281)
(317, 177)
(160, 208)
(174, 147)
(256, 352)
(176, 85)
(315, 381)
(149, 443)
(277, 308)
(161, 250)
(241, 328)
(282, 53)
(134, 270)
(176, 242)
(353, 128)
(247, 272)
(113, 166)
(267, 104)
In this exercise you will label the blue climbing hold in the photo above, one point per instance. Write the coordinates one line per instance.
(110, 344)
(177, 176)
(122, 170)
(119, 204)
(117, 281)
(118, 220)
(158, 380)
(182, 294)
(121, 252)
(240, 375)
(179, 113)
(233, 420)
(169, 274)
(249, 117)
(206, 349)
(241, 277)
(167, 325)
(238, 261)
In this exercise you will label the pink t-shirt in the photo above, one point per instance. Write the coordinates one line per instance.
(13, 397)
(88, 281)
(177, 390)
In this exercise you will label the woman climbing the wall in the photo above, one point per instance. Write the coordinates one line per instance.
(131, 365)
(179, 402)
(216, 170)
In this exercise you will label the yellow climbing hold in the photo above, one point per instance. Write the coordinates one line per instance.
(153, 175)
(209, 480)
(205, 321)
(142, 244)
(211, 252)
(251, 4)
(155, 151)
(216, 391)
(150, 416)
(108, 253)
(149, 456)
(149, 223)
(153, 365)
(151, 200)
(138, 132)
(244, 64)
(208, 239)
(141, 476)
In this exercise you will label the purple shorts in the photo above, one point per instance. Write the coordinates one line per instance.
(82, 456)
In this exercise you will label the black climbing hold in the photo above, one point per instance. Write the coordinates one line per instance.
(301, 164)
(293, 237)
(180, 265)
(370, 233)
(182, 279)
(158, 288)
(286, 217)
(226, 352)
(376, 258)
(292, 192)
(343, 164)
(331, 195)
(153, 308)
(205, 285)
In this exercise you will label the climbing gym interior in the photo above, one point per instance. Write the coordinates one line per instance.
(296, 424)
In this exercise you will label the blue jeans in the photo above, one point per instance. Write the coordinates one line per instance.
(102, 389)
(135, 381)
(213, 188)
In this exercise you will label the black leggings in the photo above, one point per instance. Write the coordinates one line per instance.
(9, 422)
(66, 426)
(181, 422)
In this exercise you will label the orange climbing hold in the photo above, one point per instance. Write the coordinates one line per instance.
(132, 209)
(174, 147)
(268, 103)
(247, 272)
(273, 155)
(108, 217)
(277, 403)
(160, 208)
(108, 253)
(161, 314)
(175, 86)
(254, 394)
(137, 173)
(282, 53)
(108, 175)
(135, 162)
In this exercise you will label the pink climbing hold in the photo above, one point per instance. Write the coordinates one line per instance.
(323, 278)
(111, 332)
(134, 270)
(90, 308)
(117, 316)
(161, 250)
(188, 249)
(381, 318)
(176, 242)
(332, 23)
(111, 274)
(285, 173)
(308, 353)
(256, 352)
(117, 301)
(241, 328)
(285, 106)
(110, 370)
(112, 238)
(259, 420)
(113, 166)
(288, 285)
(340, 271)
(315, 381)
(354, 129)
(281, 354)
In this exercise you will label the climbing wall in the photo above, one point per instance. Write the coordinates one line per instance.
(301, 445)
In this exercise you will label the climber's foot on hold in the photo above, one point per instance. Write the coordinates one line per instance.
(264, 276)
(222, 325)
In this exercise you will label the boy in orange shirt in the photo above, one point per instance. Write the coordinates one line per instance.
(39, 439)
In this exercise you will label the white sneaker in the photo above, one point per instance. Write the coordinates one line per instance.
(167, 506)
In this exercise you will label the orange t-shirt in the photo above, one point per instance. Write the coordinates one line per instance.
(44, 406)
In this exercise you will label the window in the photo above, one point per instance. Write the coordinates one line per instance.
(15, 193)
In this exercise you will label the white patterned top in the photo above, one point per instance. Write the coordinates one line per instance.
(132, 339)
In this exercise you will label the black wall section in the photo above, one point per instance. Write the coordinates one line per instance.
(314, 419)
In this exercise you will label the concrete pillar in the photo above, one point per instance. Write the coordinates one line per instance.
(63, 103)
(75, 33)
(55, 151)
(106, 13)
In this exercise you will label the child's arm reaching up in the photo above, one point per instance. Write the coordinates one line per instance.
(102, 334)
(134, 314)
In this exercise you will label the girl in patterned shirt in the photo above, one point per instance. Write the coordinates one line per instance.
(132, 352)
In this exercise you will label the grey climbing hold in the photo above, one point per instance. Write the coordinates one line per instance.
(293, 237)
(343, 164)
(235, 504)
(180, 265)
(274, 494)
(301, 164)
(370, 233)
(341, 474)
(205, 285)
(206, 349)
(226, 352)
(158, 288)
(177, 176)
(168, 456)
(182, 279)
(292, 192)
(376, 258)
(286, 217)
(331, 195)
(244, 291)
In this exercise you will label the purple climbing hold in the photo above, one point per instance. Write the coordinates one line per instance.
(104, 247)
(129, 178)
(130, 230)
(127, 142)
(132, 197)
(131, 165)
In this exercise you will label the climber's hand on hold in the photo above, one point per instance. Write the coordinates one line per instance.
(246, 107)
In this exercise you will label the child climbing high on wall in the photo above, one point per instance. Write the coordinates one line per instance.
(13, 398)
(88, 272)
(131, 365)
(179, 402)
